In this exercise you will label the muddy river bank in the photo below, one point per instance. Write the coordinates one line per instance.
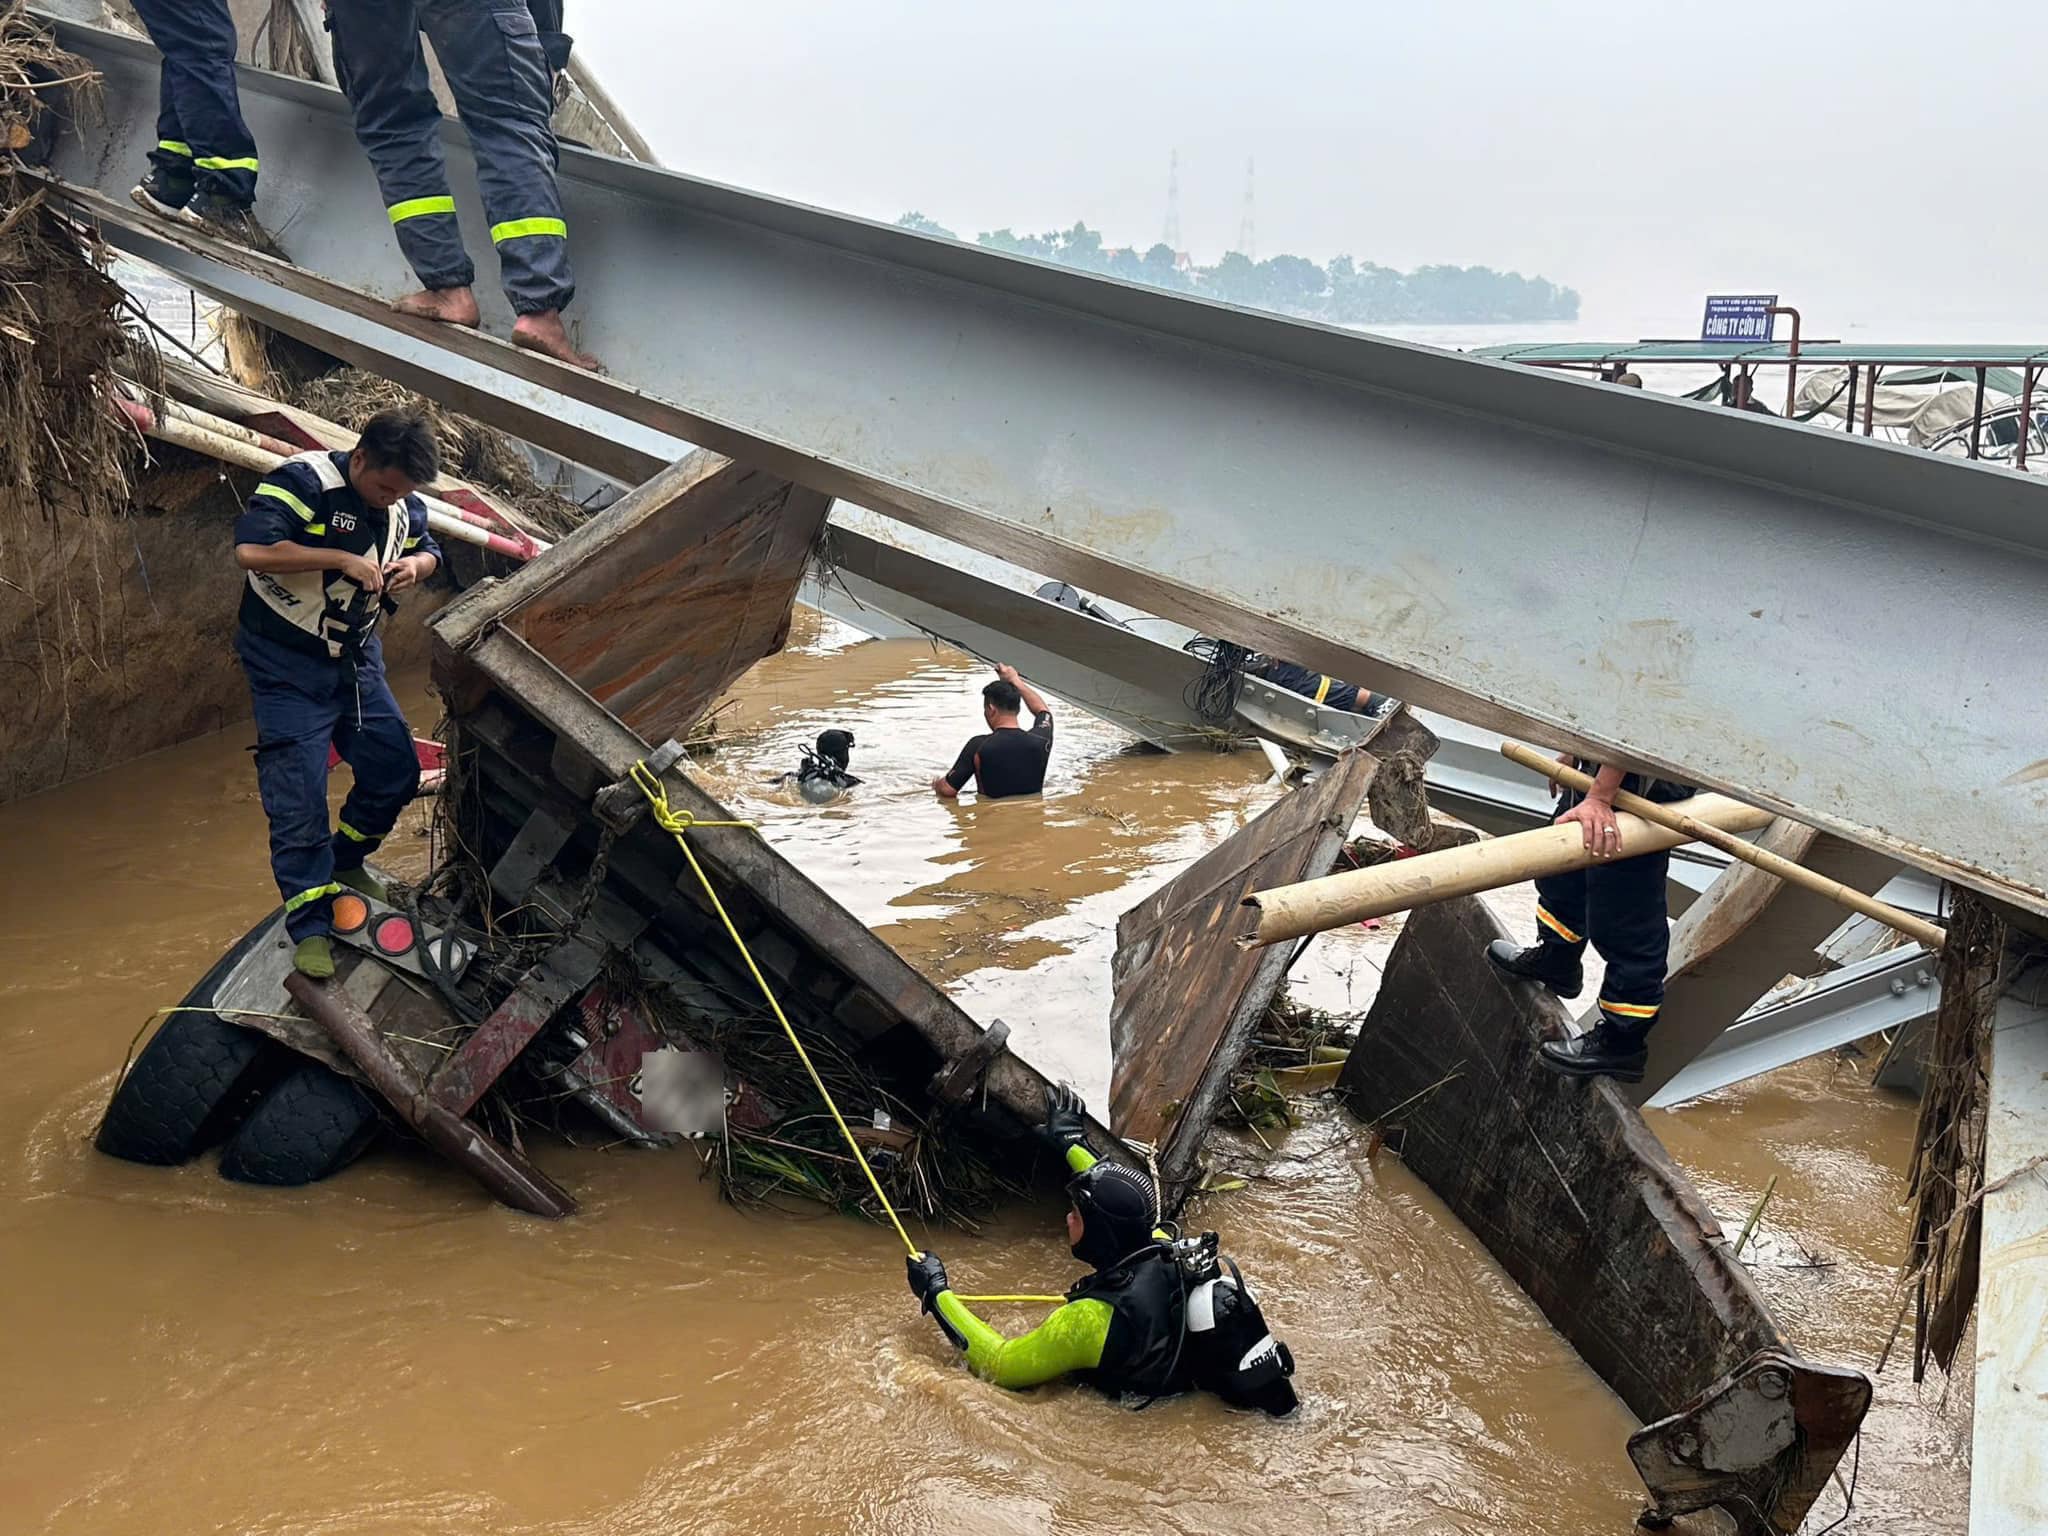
(389, 1353)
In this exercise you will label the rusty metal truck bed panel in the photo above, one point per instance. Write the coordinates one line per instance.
(1187, 998)
(1566, 1186)
(660, 603)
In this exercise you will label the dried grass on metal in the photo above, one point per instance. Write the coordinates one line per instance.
(478, 454)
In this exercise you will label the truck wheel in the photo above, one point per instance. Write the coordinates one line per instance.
(192, 1082)
(309, 1127)
(195, 1079)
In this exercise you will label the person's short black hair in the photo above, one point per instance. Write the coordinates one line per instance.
(401, 439)
(1003, 697)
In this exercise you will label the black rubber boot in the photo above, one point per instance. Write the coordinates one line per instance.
(1551, 964)
(1600, 1052)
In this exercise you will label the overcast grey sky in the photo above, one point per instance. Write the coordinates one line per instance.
(1872, 163)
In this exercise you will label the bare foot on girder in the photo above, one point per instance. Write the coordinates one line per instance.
(450, 306)
(545, 334)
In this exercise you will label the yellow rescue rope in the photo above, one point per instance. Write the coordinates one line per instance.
(676, 823)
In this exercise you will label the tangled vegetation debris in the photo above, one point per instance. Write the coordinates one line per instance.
(484, 457)
(1945, 1184)
(1298, 1050)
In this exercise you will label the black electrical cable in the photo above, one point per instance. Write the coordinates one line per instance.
(1213, 695)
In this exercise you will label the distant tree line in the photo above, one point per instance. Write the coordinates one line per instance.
(1346, 292)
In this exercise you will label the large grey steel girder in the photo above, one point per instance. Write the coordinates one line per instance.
(1677, 585)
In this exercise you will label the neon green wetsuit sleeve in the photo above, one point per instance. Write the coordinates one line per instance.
(1069, 1340)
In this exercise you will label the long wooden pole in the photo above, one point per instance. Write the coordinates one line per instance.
(1701, 832)
(1315, 906)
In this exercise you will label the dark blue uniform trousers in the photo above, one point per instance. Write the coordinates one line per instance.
(202, 142)
(491, 54)
(1620, 908)
(302, 703)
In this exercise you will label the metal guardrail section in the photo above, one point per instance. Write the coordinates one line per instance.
(1680, 585)
(1860, 1000)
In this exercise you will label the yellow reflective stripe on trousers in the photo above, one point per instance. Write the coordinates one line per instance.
(350, 832)
(1555, 926)
(513, 229)
(175, 147)
(419, 208)
(293, 903)
(220, 163)
(1630, 1010)
(1323, 688)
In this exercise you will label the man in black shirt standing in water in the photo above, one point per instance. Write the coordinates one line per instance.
(1009, 760)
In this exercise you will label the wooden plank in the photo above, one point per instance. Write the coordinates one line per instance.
(1559, 1177)
(505, 1173)
(1187, 997)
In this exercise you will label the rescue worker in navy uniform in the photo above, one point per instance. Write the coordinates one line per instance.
(203, 169)
(1618, 905)
(498, 69)
(1322, 688)
(1156, 1315)
(327, 539)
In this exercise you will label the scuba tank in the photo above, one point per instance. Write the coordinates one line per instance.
(1230, 1349)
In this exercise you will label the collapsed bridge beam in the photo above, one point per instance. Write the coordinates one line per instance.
(1650, 580)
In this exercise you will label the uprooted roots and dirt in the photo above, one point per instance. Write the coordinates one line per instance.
(64, 456)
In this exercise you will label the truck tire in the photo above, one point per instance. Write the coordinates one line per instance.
(310, 1125)
(195, 1078)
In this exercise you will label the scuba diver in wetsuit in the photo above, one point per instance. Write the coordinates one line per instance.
(1157, 1314)
(822, 778)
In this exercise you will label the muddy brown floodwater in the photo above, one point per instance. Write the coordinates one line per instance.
(389, 1353)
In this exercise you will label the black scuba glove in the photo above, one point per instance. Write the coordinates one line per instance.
(1066, 1118)
(927, 1277)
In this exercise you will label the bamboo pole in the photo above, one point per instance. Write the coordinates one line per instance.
(1315, 906)
(1770, 863)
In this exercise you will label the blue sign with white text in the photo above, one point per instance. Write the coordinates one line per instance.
(1739, 317)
